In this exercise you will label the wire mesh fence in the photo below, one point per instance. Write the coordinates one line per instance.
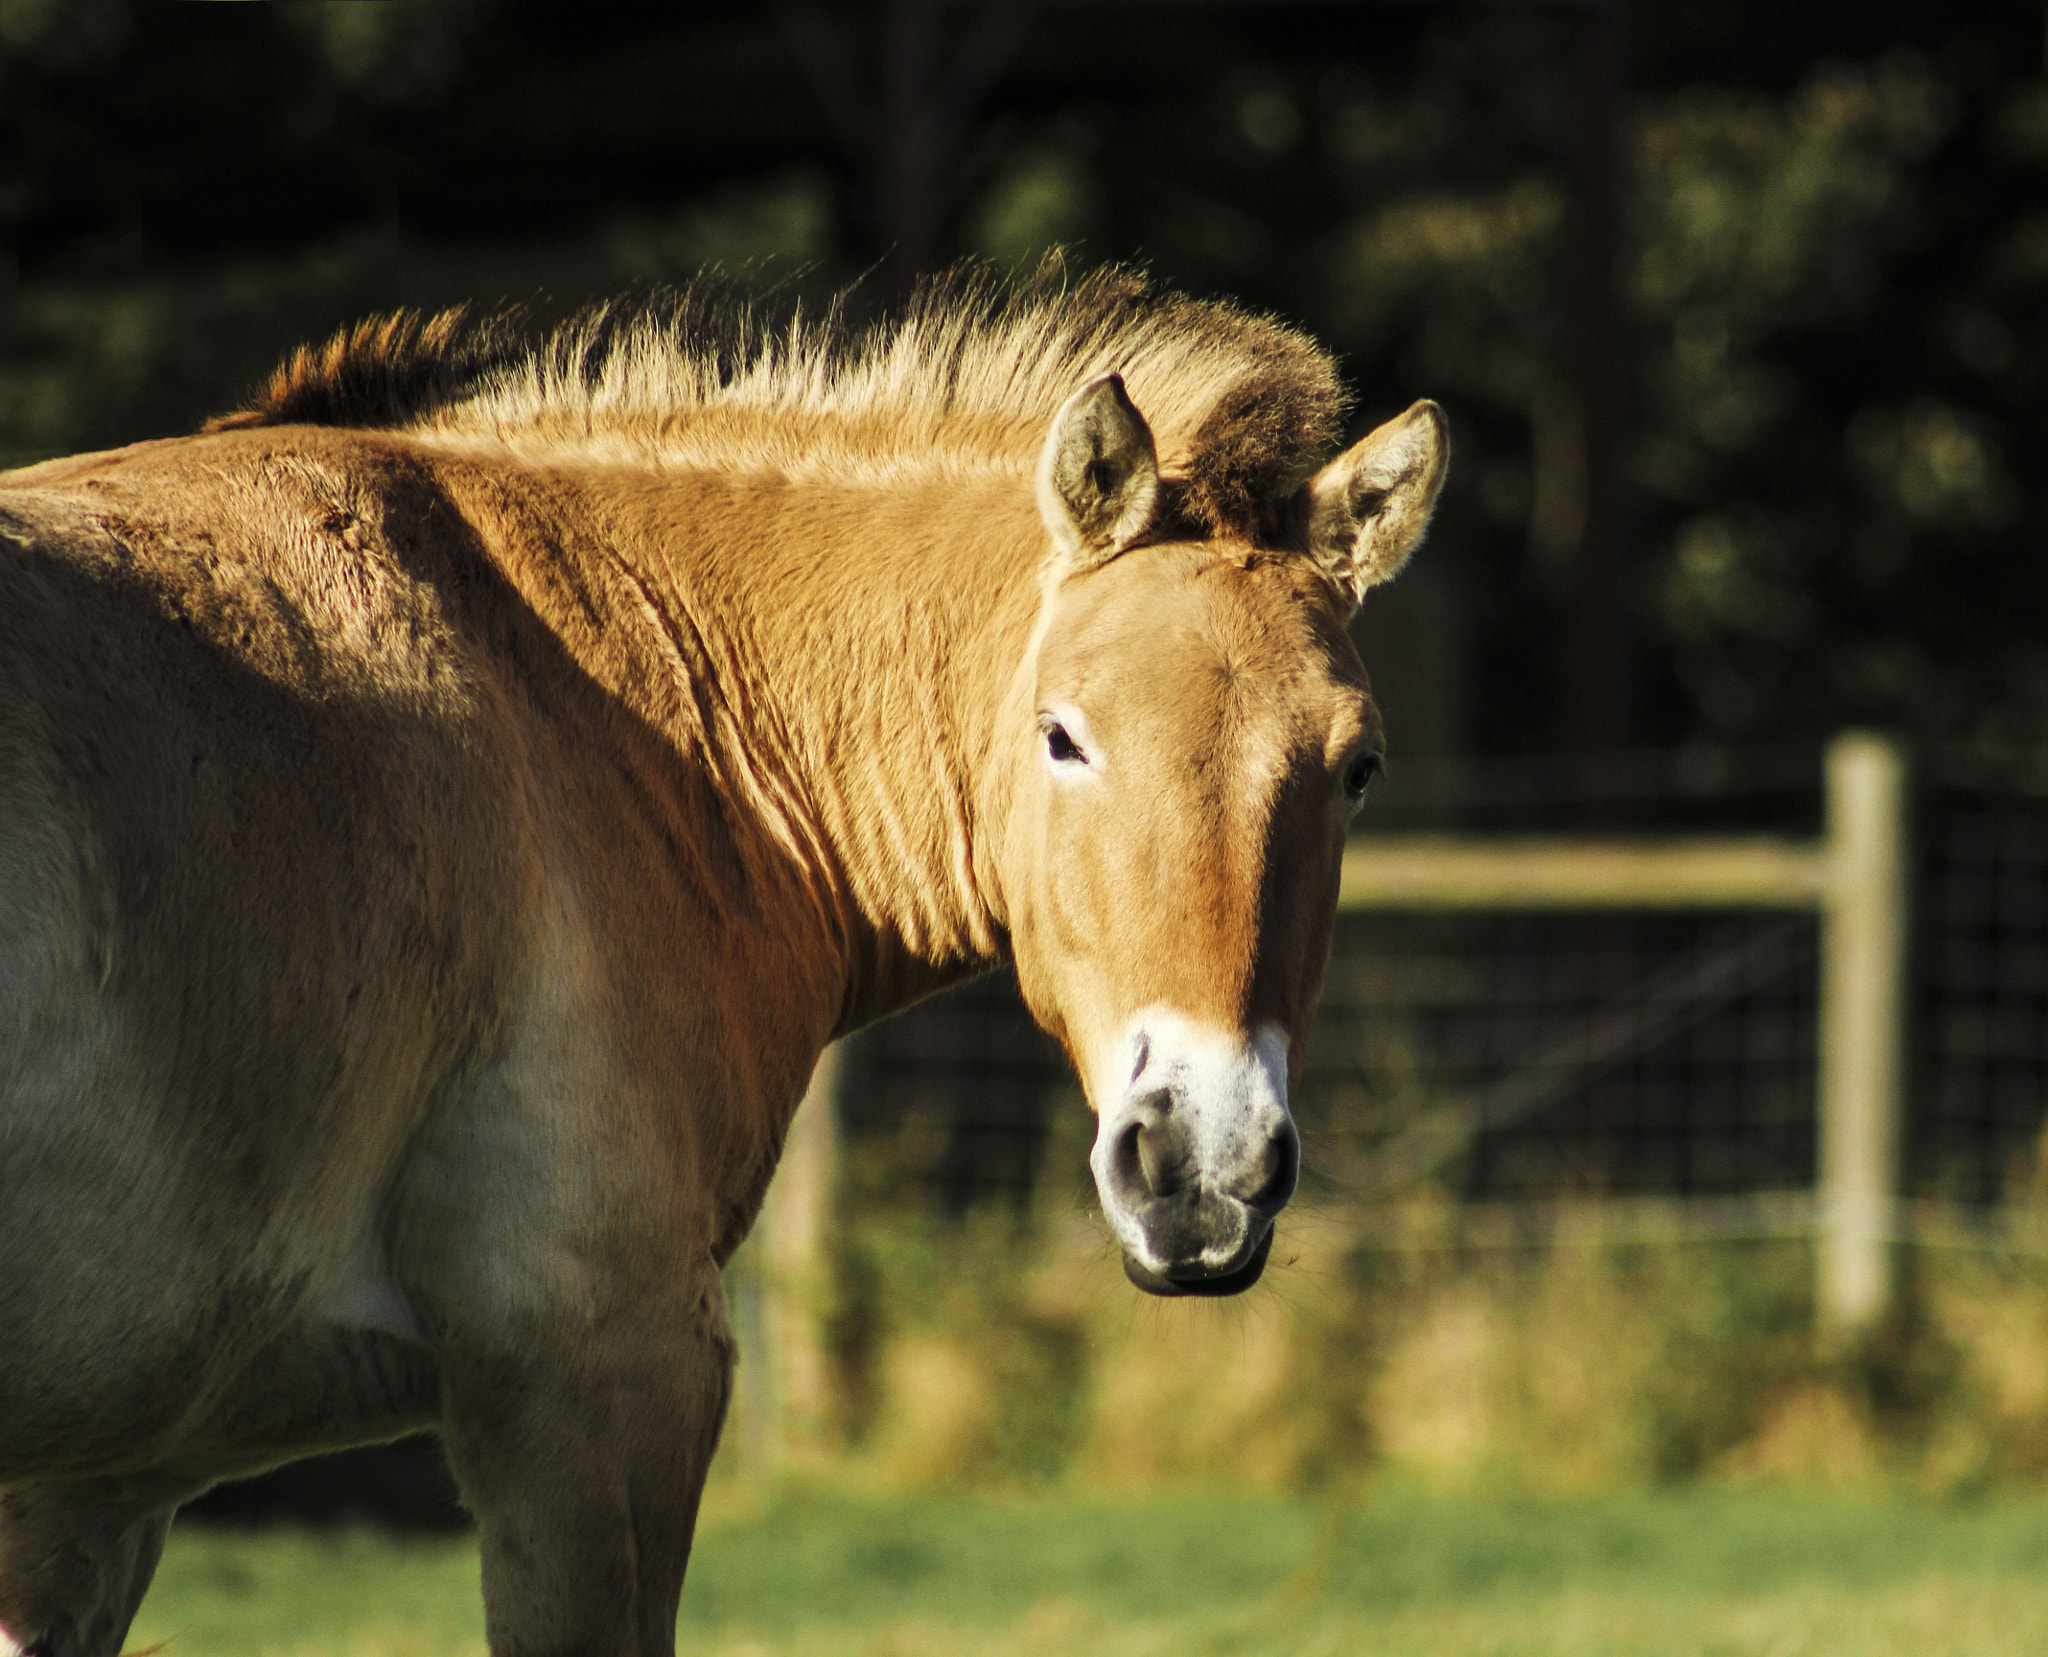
(1525, 1055)
(1538, 1054)
(954, 1102)
(1981, 1061)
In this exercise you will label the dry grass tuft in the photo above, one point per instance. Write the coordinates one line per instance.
(1002, 1354)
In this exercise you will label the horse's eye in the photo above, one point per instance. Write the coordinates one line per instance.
(1358, 773)
(1062, 747)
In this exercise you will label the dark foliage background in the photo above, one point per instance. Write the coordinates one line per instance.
(1834, 253)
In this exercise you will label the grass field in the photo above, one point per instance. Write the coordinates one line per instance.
(1703, 1574)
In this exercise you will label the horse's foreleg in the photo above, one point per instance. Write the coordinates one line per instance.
(583, 1453)
(75, 1558)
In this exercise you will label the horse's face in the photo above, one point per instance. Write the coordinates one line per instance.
(1202, 733)
(1203, 736)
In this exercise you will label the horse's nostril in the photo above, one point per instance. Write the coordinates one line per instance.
(1150, 1159)
(1281, 1168)
(1162, 1160)
(1127, 1164)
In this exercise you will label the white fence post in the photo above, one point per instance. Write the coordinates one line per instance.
(795, 1272)
(1862, 1030)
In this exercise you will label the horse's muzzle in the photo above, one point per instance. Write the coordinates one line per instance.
(1195, 1218)
(1222, 1283)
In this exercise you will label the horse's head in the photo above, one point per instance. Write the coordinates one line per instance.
(1200, 734)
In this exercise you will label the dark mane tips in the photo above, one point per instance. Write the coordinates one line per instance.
(1264, 435)
(383, 371)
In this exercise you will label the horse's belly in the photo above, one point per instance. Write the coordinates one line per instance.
(137, 1272)
(83, 1261)
(110, 1309)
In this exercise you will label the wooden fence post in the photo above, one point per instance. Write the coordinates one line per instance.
(795, 1274)
(1862, 1029)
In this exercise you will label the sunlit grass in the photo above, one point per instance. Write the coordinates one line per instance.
(1704, 1574)
(223, 1593)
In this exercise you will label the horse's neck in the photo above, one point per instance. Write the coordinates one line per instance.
(858, 644)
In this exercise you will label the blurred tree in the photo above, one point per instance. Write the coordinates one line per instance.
(902, 106)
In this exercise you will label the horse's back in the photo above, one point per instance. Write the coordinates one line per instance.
(262, 877)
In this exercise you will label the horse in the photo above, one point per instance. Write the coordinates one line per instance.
(448, 804)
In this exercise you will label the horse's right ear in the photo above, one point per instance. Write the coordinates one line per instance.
(1365, 512)
(1098, 475)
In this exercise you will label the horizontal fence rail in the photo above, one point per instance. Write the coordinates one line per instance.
(1440, 871)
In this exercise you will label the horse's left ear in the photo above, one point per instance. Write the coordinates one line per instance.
(1098, 475)
(1365, 512)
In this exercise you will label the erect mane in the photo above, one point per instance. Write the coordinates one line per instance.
(969, 375)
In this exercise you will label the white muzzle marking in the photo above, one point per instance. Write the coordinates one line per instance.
(1193, 1123)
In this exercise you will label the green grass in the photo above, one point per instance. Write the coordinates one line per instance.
(1708, 1575)
(223, 1593)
